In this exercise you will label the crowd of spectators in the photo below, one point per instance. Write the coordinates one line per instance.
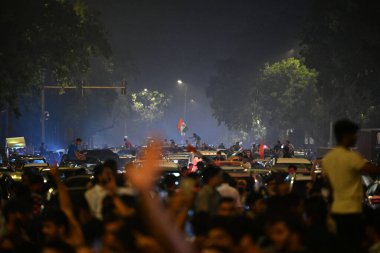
(208, 212)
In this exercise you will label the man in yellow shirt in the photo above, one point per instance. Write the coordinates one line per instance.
(343, 169)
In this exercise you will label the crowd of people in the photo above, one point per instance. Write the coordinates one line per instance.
(143, 211)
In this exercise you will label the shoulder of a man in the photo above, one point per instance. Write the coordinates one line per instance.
(329, 158)
(353, 159)
(357, 160)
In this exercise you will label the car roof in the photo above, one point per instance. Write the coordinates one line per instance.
(163, 165)
(210, 152)
(292, 161)
(30, 157)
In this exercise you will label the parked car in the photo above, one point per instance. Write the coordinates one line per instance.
(304, 166)
(182, 159)
(7, 190)
(20, 164)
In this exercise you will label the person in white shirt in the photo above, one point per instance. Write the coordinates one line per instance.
(227, 191)
(343, 169)
(103, 174)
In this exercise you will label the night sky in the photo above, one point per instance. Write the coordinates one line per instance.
(175, 39)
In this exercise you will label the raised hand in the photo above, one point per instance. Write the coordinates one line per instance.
(54, 172)
(144, 177)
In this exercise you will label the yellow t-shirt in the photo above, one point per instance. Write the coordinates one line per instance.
(343, 169)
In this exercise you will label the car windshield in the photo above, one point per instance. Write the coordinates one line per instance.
(34, 161)
(182, 162)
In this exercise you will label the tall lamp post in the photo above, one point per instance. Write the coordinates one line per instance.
(181, 83)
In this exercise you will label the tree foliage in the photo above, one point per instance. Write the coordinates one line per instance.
(149, 105)
(341, 40)
(45, 41)
(286, 98)
(229, 82)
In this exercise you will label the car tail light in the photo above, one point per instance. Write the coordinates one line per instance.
(374, 199)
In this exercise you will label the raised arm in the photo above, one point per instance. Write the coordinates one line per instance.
(162, 226)
(370, 168)
(75, 237)
(120, 207)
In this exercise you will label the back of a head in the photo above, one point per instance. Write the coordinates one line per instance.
(316, 210)
(17, 205)
(252, 198)
(292, 222)
(57, 217)
(35, 178)
(209, 172)
(344, 127)
(227, 178)
(112, 164)
(170, 180)
(97, 172)
(226, 200)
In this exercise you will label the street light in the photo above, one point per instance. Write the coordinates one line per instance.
(180, 82)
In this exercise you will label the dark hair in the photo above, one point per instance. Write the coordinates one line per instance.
(200, 223)
(218, 152)
(97, 171)
(112, 164)
(292, 222)
(344, 127)
(58, 218)
(169, 180)
(227, 178)
(59, 246)
(16, 206)
(210, 172)
(316, 209)
(34, 178)
(232, 226)
(252, 198)
(78, 139)
(226, 200)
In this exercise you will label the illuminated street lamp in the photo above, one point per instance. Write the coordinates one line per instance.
(181, 83)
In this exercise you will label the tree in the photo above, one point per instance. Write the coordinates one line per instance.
(267, 36)
(45, 41)
(341, 40)
(149, 105)
(286, 98)
(229, 82)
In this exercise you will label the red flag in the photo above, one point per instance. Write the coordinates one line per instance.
(261, 151)
(180, 123)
